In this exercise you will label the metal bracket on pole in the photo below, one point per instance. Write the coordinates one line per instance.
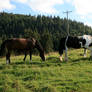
(67, 13)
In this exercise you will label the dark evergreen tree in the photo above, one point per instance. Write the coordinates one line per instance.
(46, 41)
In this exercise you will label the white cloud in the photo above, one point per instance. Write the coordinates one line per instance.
(88, 23)
(44, 6)
(41, 6)
(83, 7)
(68, 1)
(5, 4)
(20, 1)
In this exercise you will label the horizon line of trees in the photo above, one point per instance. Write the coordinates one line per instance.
(46, 29)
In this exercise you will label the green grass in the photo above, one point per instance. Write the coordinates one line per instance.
(49, 76)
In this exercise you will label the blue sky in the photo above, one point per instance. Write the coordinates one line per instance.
(81, 9)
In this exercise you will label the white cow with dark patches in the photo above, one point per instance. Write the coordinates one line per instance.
(87, 45)
(75, 42)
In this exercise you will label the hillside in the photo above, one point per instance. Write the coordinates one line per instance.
(47, 29)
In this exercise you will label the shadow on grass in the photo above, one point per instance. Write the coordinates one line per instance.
(18, 63)
(1, 67)
(53, 59)
(82, 59)
(50, 61)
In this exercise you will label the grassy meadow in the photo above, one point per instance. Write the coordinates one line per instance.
(49, 76)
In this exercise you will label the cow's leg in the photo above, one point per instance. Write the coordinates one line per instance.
(8, 58)
(25, 56)
(66, 56)
(61, 59)
(85, 52)
(61, 54)
(31, 56)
